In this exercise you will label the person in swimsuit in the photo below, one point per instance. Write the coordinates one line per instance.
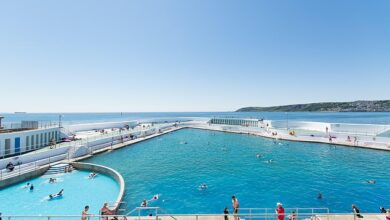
(203, 186)
(356, 211)
(60, 193)
(236, 206)
(105, 210)
(84, 214)
(226, 213)
(144, 203)
(279, 211)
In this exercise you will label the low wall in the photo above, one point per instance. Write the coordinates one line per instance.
(314, 126)
(365, 129)
(22, 177)
(103, 125)
(362, 129)
(33, 156)
(107, 171)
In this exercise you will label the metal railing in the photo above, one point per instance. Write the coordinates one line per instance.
(315, 216)
(116, 138)
(243, 213)
(30, 167)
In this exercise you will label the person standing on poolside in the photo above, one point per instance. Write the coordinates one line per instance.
(236, 206)
(279, 211)
(225, 212)
(356, 211)
(84, 214)
(105, 210)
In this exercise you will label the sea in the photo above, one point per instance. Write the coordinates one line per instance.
(75, 118)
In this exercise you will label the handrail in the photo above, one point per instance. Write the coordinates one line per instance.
(29, 167)
(251, 212)
(196, 216)
(78, 143)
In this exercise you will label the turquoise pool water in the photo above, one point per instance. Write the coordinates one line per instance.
(78, 192)
(174, 165)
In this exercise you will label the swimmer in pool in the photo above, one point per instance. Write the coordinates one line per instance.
(31, 187)
(59, 194)
(26, 186)
(258, 156)
(203, 186)
(371, 181)
(92, 175)
(319, 196)
(155, 197)
(52, 180)
(269, 161)
(144, 203)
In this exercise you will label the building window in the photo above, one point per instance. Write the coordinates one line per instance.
(32, 142)
(7, 149)
(27, 143)
(45, 138)
(41, 140)
(36, 141)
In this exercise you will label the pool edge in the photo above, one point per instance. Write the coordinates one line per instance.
(107, 171)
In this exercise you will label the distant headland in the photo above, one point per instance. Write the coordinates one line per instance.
(356, 106)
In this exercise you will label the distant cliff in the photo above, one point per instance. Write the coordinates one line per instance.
(357, 106)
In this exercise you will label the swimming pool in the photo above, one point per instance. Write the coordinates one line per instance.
(79, 191)
(175, 164)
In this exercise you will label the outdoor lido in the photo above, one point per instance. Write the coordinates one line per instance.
(195, 168)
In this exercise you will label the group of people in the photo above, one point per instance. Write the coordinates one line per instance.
(30, 186)
(258, 156)
(236, 205)
(92, 175)
(68, 169)
(105, 211)
(280, 212)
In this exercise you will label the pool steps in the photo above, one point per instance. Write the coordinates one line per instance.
(56, 169)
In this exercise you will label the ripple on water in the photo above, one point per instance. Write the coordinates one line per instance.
(227, 163)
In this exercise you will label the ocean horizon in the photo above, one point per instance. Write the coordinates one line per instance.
(75, 118)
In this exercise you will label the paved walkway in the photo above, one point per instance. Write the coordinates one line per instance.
(341, 139)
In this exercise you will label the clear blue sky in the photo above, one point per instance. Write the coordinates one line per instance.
(201, 55)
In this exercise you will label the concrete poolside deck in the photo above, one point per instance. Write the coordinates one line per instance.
(341, 139)
(221, 217)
